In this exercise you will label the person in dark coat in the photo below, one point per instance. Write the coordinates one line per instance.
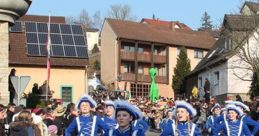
(35, 89)
(2, 120)
(207, 90)
(10, 112)
(10, 86)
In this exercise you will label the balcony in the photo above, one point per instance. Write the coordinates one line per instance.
(159, 59)
(146, 78)
(127, 55)
(144, 57)
(128, 77)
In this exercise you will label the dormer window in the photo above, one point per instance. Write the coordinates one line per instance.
(228, 43)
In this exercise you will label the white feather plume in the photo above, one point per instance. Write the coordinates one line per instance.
(87, 98)
(134, 109)
(234, 107)
(186, 105)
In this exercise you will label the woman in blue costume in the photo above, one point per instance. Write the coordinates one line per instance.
(125, 115)
(168, 121)
(215, 110)
(86, 124)
(183, 125)
(233, 125)
(109, 118)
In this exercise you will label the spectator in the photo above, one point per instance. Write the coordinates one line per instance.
(10, 112)
(2, 118)
(52, 130)
(207, 90)
(35, 89)
(10, 86)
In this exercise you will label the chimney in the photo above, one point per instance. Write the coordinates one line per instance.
(172, 26)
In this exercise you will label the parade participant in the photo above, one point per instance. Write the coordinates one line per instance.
(86, 123)
(168, 121)
(233, 125)
(211, 119)
(125, 115)
(109, 118)
(183, 125)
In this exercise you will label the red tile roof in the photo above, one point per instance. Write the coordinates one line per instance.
(151, 33)
(165, 23)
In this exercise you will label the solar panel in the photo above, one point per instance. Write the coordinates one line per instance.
(42, 27)
(68, 39)
(32, 38)
(57, 50)
(65, 29)
(70, 51)
(33, 49)
(77, 29)
(81, 51)
(55, 39)
(54, 28)
(79, 40)
(30, 27)
(43, 38)
(17, 27)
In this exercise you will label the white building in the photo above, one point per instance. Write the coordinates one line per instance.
(226, 65)
(92, 35)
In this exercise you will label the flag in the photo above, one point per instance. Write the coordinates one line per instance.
(48, 59)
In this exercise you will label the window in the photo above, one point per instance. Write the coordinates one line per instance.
(140, 70)
(66, 94)
(178, 50)
(139, 90)
(200, 82)
(228, 44)
(129, 48)
(198, 54)
(216, 81)
(128, 68)
(140, 50)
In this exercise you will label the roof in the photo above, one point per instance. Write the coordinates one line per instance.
(37, 18)
(254, 6)
(165, 23)
(92, 30)
(239, 32)
(18, 49)
(151, 33)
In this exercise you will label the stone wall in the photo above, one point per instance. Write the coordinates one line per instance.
(4, 70)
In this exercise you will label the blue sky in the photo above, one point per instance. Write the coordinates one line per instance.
(186, 11)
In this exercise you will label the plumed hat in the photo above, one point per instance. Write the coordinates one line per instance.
(134, 111)
(216, 105)
(86, 98)
(109, 103)
(238, 110)
(187, 106)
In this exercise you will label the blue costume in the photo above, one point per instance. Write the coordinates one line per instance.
(140, 124)
(110, 122)
(211, 122)
(232, 128)
(182, 130)
(166, 127)
(128, 132)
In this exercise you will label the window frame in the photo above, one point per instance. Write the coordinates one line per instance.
(72, 91)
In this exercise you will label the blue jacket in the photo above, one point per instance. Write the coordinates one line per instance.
(110, 122)
(86, 123)
(140, 124)
(233, 128)
(182, 129)
(166, 127)
(247, 120)
(127, 132)
(210, 122)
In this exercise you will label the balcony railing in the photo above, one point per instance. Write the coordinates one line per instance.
(128, 77)
(144, 57)
(147, 79)
(159, 59)
(127, 55)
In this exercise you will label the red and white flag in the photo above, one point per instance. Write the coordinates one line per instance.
(48, 51)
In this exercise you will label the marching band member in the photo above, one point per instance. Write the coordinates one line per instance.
(168, 121)
(86, 123)
(211, 119)
(109, 118)
(183, 125)
(233, 125)
(125, 115)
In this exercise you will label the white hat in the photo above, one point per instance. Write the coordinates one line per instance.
(134, 111)
(216, 105)
(109, 103)
(242, 105)
(238, 110)
(86, 98)
(187, 106)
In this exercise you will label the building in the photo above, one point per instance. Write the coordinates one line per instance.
(228, 64)
(92, 35)
(69, 58)
(129, 49)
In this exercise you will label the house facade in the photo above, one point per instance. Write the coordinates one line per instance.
(129, 49)
(226, 65)
(69, 58)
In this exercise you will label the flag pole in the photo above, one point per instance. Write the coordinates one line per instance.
(48, 59)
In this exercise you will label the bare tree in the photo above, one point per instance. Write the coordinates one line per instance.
(122, 12)
(97, 20)
(85, 19)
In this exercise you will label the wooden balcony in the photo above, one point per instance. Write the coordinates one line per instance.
(144, 57)
(159, 59)
(128, 77)
(127, 55)
(146, 78)
(162, 79)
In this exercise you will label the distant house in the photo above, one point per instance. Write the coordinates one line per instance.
(250, 8)
(225, 65)
(129, 49)
(69, 58)
(92, 35)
